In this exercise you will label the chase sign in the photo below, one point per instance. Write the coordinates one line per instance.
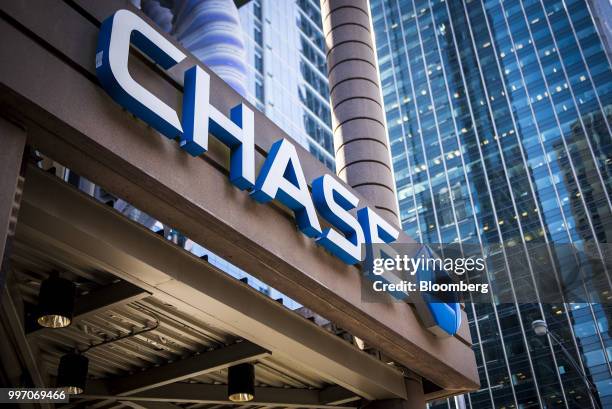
(281, 177)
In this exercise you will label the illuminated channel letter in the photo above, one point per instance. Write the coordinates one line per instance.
(116, 34)
(333, 201)
(237, 131)
(282, 178)
(375, 228)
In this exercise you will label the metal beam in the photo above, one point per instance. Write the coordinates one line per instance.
(105, 298)
(11, 314)
(187, 368)
(150, 405)
(217, 394)
(12, 140)
(336, 395)
(70, 224)
(177, 371)
(108, 297)
(11, 367)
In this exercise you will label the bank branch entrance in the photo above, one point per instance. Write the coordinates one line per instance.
(159, 326)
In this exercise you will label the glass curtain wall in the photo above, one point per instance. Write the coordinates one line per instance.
(499, 117)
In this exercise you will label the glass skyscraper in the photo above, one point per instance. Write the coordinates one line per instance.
(287, 70)
(499, 116)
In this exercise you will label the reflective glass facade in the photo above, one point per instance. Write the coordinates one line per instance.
(499, 116)
(287, 70)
